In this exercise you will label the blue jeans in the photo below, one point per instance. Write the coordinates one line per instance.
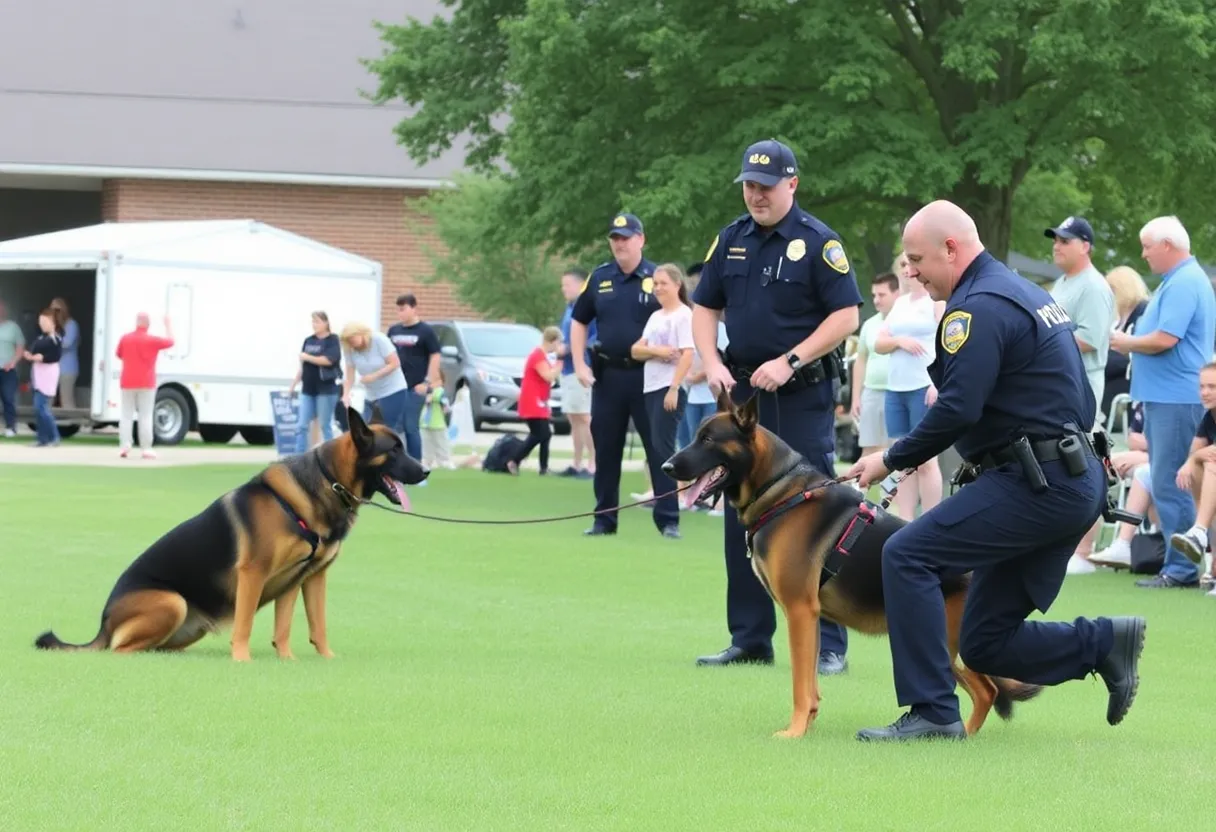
(8, 397)
(48, 431)
(321, 408)
(694, 415)
(392, 409)
(410, 429)
(1169, 429)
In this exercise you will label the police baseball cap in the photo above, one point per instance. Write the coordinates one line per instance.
(625, 225)
(1073, 228)
(767, 162)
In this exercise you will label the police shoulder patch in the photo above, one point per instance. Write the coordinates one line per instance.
(834, 256)
(712, 247)
(956, 327)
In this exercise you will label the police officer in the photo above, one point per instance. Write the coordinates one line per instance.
(1011, 386)
(619, 297)
(790, 298)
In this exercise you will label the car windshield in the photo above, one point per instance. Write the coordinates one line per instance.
(501, 340)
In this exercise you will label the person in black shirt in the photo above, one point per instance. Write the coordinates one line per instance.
(418, 349)
(44, 354)
(319, 377)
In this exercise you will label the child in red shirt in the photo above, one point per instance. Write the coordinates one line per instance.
(539, 374)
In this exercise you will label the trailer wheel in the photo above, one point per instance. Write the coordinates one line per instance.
(170, 417)
(258, 435)
(217, 434)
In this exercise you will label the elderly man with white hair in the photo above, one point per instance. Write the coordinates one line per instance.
(1176, 336)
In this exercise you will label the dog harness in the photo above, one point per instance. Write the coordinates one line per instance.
(843, 547)
(314, 539)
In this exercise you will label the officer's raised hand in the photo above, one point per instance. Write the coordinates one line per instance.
(772, 374)
(869, 469)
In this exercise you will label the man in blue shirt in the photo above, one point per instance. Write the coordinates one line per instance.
(576, 399)
(1176, 335)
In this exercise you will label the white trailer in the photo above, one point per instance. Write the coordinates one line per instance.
(239, 295)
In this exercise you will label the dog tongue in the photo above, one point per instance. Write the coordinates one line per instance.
(691, 495)
(399, 490)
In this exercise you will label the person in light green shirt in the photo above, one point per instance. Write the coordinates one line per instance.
(12, 345)
(870, 369)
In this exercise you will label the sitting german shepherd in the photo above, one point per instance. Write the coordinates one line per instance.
(263, 541)
(796, 517)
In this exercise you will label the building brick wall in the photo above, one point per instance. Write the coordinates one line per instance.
(377, 223)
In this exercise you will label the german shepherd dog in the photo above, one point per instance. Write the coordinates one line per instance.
(796, 516)
(266, 540)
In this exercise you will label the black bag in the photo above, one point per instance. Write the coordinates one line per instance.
(1148, 553)
(504, 449)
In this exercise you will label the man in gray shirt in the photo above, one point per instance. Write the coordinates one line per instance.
(1084, 294)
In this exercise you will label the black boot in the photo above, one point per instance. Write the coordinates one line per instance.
(913, 726)
(1119, 669)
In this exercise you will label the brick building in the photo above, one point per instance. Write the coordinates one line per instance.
(138, 110)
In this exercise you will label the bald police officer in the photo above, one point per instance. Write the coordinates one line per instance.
(619, 297)
(1013, 395)
(791, 299)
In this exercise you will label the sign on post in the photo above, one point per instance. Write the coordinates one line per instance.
(286, 410)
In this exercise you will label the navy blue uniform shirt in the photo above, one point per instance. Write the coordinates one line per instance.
(1006, 364)
(619, 303)
(777, 288)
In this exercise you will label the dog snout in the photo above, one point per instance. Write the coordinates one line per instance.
(668, 468)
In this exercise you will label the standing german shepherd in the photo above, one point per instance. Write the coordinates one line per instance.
(263, 541)
(796, 517)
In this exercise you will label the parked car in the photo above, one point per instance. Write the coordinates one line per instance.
(488, 358)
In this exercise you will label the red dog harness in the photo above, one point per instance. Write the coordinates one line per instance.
(843, 547)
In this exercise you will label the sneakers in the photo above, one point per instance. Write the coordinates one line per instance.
(1118, 553)
(1193, 543)
(1078, 565)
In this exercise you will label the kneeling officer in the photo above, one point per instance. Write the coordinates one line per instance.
(1013, 394)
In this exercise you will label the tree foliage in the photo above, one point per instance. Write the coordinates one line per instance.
(1022, 111)
(480, 255)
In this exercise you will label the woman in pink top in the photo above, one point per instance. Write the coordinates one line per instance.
(44, 354)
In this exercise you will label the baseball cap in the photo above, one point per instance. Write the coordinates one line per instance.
(767, 162)
(625, 225)
(1073, 228)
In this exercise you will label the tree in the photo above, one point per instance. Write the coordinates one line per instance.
(632, 105)
(481, 258)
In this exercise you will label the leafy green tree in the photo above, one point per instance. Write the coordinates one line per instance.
(633, 105)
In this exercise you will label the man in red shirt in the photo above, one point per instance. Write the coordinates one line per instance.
(138, 351)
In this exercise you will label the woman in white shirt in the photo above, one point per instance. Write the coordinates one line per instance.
(907, 337)
(666, 348)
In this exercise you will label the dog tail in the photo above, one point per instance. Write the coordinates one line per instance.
(1009, 691)
(50, 641)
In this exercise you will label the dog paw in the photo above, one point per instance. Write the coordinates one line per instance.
(793, 732)
(241, 654)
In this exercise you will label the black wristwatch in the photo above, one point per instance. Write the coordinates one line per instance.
(794, 361)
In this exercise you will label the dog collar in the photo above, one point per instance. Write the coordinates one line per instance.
(349, 499)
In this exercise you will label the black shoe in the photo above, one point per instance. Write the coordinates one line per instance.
(735, 655)
(832, 664)
(672, 532)
(1165, 582)
(1119, 669)
(598, 530)
(913, 726)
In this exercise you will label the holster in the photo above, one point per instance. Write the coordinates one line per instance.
(1099, 443)
(804, 377)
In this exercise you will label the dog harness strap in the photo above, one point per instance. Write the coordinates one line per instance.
(776, 511)
(834, 562)
(308, 534)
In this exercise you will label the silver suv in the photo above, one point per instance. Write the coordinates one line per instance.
(488, 358)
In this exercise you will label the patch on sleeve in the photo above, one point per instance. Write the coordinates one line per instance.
(834, 256)
(712, 248)
(955, 328)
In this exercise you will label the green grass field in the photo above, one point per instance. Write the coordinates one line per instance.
(526, 678)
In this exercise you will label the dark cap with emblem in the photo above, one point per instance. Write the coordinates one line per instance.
(767, 163)
(625, 225)
(1073, 228)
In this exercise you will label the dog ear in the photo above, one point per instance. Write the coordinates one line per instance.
(377, 416)
(747, 416)
(725, 403)
(359, 431)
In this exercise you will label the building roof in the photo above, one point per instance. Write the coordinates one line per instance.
(253, 89)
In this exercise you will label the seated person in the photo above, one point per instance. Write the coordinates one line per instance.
(1198, 473)
(1139, 501)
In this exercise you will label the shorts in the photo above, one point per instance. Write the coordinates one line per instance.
(905, 409)
(575, 397)
(1142, 475)
(872, 426)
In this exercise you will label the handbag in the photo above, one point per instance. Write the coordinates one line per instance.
(328, 374)
(1147, 553)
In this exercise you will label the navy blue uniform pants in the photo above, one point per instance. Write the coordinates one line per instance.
(803, 424)
(616, 397)
(1018, 543)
